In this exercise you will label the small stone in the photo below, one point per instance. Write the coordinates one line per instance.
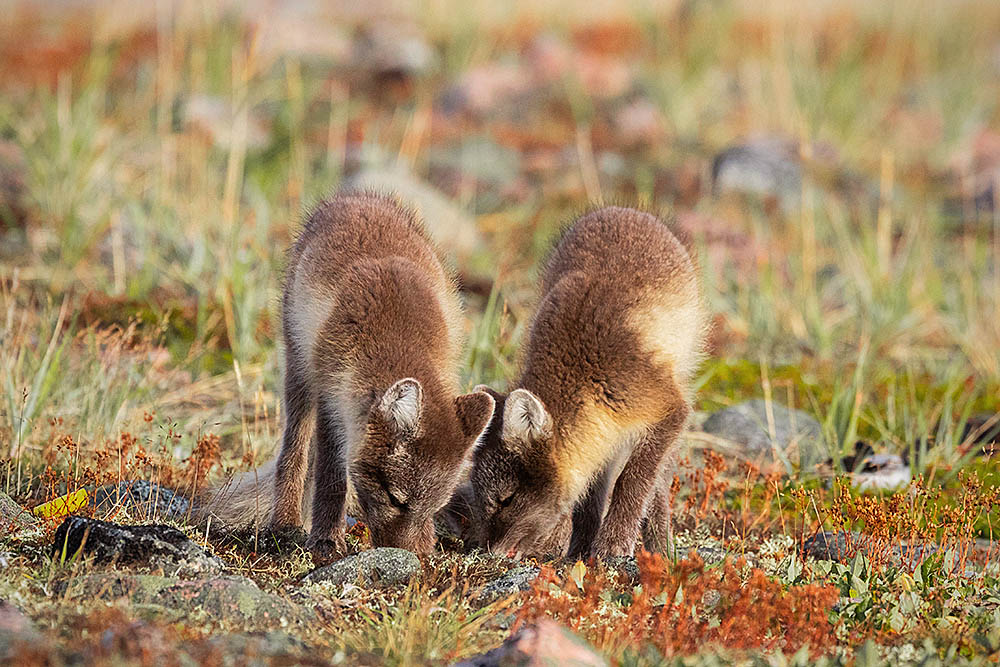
(157, 547)
(544, 643)
(382, 567)
(797, 435)
(140, 499)
(625, 565)
(513, 581)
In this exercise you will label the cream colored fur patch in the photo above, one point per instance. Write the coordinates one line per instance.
(671, 330)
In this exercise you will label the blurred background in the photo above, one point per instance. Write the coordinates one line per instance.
(834, 164)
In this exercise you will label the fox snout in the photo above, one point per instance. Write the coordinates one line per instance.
(418, 537)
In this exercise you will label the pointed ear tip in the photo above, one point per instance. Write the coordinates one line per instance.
(477, 396)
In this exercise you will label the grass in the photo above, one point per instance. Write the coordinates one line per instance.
(168, 160)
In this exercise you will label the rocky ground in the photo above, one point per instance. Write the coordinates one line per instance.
(832, 166)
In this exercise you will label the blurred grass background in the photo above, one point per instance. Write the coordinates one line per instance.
(156, 161)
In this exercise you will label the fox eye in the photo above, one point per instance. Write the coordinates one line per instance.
(393, 499)
(506, 500)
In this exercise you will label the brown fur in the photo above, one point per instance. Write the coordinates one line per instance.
(371, 326)
(603, 394)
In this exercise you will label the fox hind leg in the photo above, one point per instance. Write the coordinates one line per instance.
(621, 526)
(293, 461)
(657, 528)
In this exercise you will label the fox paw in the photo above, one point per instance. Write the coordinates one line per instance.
(325, 550)
(609, 550)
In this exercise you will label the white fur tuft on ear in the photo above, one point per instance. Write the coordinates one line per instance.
(402, 405)
(525, 418)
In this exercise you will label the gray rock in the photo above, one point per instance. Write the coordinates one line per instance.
(513, 581)
(392, 49)
(229, 599)
(544, 643)
(383, 567)
(762, 167)
(841, 546)
(798, 436)
(258, 649)
(235, 600)
(140, 499)
(156, 547)
(21, 522)
(829, 545)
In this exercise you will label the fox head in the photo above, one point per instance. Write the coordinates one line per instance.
(416, 450)
(518, 507)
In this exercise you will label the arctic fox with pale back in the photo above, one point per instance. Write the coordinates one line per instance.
(603, 394)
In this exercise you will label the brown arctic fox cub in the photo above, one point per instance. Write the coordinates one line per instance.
(371, 326)
(603, 394)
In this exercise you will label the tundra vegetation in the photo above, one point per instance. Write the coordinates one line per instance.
(835, 167)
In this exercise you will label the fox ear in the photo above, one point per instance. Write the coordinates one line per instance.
(486, 389)
(525, 418)
(474, 412)
(401, 406)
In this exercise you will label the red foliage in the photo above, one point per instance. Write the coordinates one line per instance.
(679, 609)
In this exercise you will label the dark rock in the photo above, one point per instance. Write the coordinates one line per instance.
(16, 521)
(513, 581)
(545, 643)
(841, 546)
(157, 547)
(797, 435)
(229, 599)
(983, 429)
(384, 567)
(828, 545)
(140, 499)
(243, 649)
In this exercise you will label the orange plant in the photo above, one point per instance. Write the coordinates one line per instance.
(679, 609)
